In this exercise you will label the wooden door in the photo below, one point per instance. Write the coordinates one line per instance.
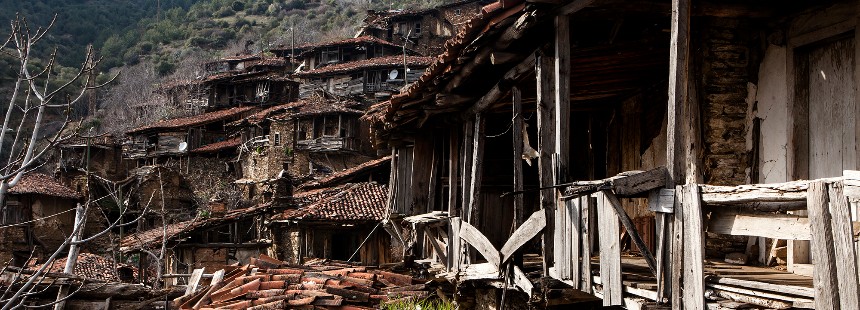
(832, 145)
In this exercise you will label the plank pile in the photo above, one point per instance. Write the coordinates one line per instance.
(267, 283)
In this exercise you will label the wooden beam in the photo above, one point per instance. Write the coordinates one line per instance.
(474, 237)
(517, 134)
(455, 247)
(757, 285)
(638, 183)
(586, 232)
(843, 244)
(610, 252)
(755, 193)
(546, 147)
(561, 76)
(631, 230)
(453, 188)
(694, 249)
(574, 7)
(679, 53)
(531, 228)
(824, 277)
(676, 251)
(508, 80)
(777, 226)
(437, 248)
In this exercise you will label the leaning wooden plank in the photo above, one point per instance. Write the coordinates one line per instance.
(474, 237)
(194, 281)
(631, 230)
(610, 252)
(530, 228)
(757, 285)
(641, 182)
(777, 226)
(764, 302)
(522, 281)
(694, 249)
(843, 243)
(437, 248)
(454, 245)
(821, 247)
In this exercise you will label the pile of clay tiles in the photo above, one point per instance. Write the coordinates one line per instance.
(267, 283)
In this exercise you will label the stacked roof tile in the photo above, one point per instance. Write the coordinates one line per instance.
(219, 146)
(268, 283)
(90, 266)
(42, 184)
(356, 202)
(348, 174)
(351, 41)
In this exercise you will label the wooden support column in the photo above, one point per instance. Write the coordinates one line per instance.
(562, 97)
(694, 249)
(824, 276)
(465, 172)
(679, 53)
(610, 252)
(453, 197)
(517, 132)
(477, 173)
(586, 229)
(546, 148)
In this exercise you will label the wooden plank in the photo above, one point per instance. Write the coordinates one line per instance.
(531, 228)
(573, 232)
(437, 248)
(662, 225)
(562, 98)
(640, 182)
(517, 134)
(574, 7)
(546, 147)
(455, 248)
(694, 249)
(750, 193)
(677, 250)
(631, 230)
(679, 52)
(217, 277)
(843, 243)
(422, 165)
(466, 163)
(522, 281)
(778, 226)
(757, 285)
(194, 281)
(474, 237)
(610, 252)
(587, 222)
(824, 276)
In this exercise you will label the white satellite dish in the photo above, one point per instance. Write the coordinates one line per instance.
(393, 74)
(183, 146)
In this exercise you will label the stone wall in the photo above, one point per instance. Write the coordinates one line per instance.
(725, 76)
(286, 243)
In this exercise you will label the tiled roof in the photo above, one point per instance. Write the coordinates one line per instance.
(348, 174)
(351, 41)
(346, 203)
(195, 120)
(153, 237)
(267, 283)
(42, 184)
(319, 105)
(218, 146)
(89, 266)
(394, 61)
(258, 117)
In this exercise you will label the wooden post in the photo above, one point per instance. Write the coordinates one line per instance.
(546, 147)
(477, 166)
(676, 250)
(453, 195)
(517, 133)
(562, 97)
(587, 222)
(610, 252)
(631, 230)
(679, 52)
(466, 176)
(694, 249)
(843, 243)
(824, 275)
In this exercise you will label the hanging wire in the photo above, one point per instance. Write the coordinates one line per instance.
(511, 125)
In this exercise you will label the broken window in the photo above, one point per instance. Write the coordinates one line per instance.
(331, 126)
(13, 213)
(276, 140)
(417, 28)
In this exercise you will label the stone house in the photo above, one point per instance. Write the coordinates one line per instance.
(37, 216)
(757, 92)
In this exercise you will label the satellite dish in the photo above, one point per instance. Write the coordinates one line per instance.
(393, 74)
(183, 146)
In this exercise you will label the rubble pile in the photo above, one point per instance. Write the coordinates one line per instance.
(267, 283)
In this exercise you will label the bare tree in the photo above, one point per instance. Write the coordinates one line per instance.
(34, 96)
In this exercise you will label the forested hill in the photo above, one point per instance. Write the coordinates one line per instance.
(163, 31)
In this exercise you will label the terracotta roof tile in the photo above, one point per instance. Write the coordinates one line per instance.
(350, 202)
(359, 40)
(372, 63)
(90, 266)
(260, 116)
(219, 146)
(42, 184)
(319, 105)
(195, 120)
(348, 174)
